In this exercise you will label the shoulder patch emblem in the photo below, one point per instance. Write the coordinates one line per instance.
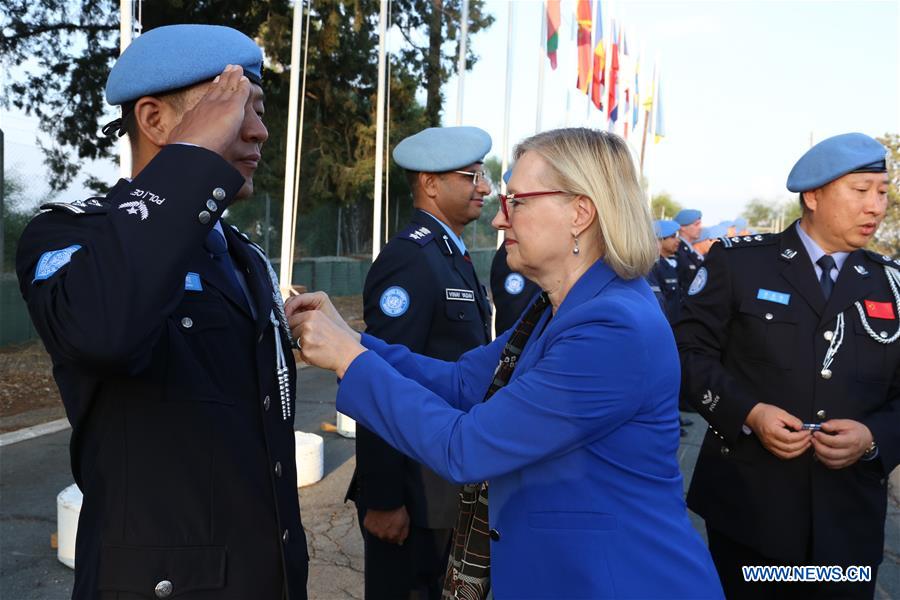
(79, 207)
(136, 207)
(514, 284)
(53, 261)
(699, 282)
(394, 301)
(416, 233)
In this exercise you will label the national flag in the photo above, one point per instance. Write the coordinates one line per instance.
(879, 310)
(624, 67)
(612, 103)
(598, 78)
(660, 123)
(583, 14)
(552, 30)
(637, 97)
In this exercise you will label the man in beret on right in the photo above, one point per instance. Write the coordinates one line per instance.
(790, 349)
(690, 222)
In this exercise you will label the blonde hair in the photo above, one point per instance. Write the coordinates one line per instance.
(598, 165)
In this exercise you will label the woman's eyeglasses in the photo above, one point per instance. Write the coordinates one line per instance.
(507, 200)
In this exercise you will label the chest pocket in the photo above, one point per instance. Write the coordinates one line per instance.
(767, 332)
(873, 359)
(198, 345)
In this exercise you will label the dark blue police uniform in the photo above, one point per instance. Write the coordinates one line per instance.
(664, 277)
(172, 356)
(511, 291)
(421, 292)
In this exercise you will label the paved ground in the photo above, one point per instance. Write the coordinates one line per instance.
(32, 472)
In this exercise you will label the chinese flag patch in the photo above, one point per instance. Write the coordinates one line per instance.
(879, 310)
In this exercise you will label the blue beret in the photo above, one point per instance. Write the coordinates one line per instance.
(688, 216)
(665, 228)
(441, 149)
(835, 157)
(176, 56)
(507, 175)
(711, 233)
(740, 223)
(727, 224)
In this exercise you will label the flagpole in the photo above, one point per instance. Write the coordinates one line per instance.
(647, 118)
(290, 158)
(461, 62)
(126, 33)
(541, 59)
(507, 95)
(379, 132)
(299, 153)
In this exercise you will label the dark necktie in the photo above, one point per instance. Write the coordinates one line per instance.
(218, 249)
(826, 262)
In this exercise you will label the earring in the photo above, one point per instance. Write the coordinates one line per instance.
(576, 249)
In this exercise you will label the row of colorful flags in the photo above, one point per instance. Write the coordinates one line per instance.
(609, 75)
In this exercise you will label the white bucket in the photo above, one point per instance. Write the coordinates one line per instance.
(68, 507)
(346, 426)
(310, 456)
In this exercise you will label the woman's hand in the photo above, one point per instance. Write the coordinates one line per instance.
(323, 342)
(317, 301)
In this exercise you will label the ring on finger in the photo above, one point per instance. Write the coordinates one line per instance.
(297, 344)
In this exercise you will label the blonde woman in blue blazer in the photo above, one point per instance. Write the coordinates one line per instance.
(579, 448)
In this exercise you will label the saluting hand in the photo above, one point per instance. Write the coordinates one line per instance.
(779, 431)
(215, 121)
(841, 442)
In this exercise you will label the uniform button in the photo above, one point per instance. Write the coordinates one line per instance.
(203, 217)
(725, 450)
(163, 589)
(260, 339)
(828, 335)
(826, 373)
(278, 469)
(211, 205)
(883, 335)
(769, 316)
(187, 322)
(266, 403)
(495, 535)
(219, 194)
(460, 315)
(285, 536)
(821, 415)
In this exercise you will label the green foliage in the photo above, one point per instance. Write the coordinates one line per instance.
(771, 215)
(16, 215)
(62, 50)
(663, 207)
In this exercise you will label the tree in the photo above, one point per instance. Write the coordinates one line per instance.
(433, 62)
(887, 240)
(771, 215)
(663, 207)
(16, 215)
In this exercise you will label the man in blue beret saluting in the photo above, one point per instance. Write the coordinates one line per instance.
(422, 292)
(168, 340)
(789, 348)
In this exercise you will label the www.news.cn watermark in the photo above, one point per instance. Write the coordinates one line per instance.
(810, 573)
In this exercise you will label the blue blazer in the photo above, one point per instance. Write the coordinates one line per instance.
(579, 447)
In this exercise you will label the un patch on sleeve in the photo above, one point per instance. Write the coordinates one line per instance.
(514, 284)
(699, 282)
(53, 261)
(394, 301)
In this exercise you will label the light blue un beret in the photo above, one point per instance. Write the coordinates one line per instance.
(711, 233)
(176, 56)
(835, 157)
(688, 216)
(740, 223)
(665, 228)
(441, 149)
(507, 175)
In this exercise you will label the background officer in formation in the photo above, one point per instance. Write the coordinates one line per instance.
(168, 340)
(690, 222)
(663, 277)
(789, 346)
(511, 291)
(422, 292)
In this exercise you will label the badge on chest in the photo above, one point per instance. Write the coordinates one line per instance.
(460, 295)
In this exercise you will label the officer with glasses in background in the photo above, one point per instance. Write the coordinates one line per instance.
(422, 292)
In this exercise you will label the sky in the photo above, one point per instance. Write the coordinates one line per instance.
(746, 86)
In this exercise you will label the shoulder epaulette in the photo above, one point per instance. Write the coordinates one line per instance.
(91, 206)
(746, 241)
(882, 259)
(416, 233)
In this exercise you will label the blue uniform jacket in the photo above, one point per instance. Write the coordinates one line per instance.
(579, 448)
